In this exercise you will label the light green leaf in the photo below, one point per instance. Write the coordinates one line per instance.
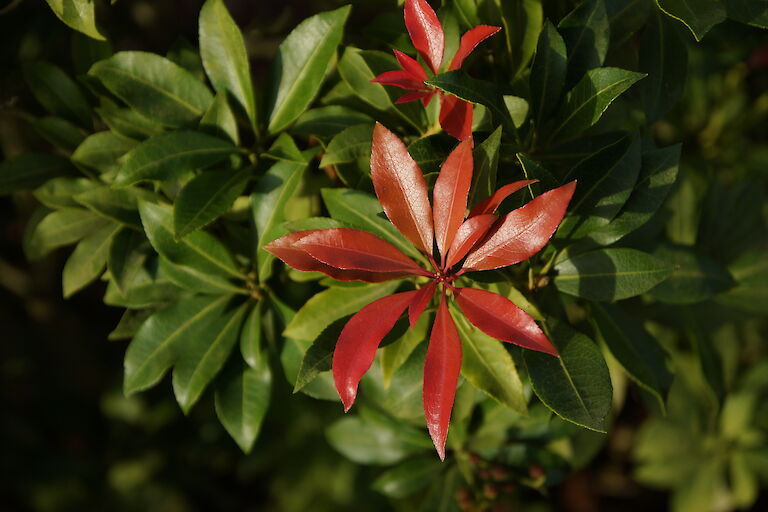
(60, 192)
(224, 56)
(694, 278)
(366, 442)
(197, 281)
(79, 15)
(301, 61)
(325, 122)
(698, 17)
(521, 20)
(29, 170)
(154, 86)
(251, 338)
(408, 477)
(127, 122)
(57, 92)
(206, 197)
(220, 121)
(88, 260)
(242, 399)
(102, 152)
(59, 228)
(394, 355)
(119, 205)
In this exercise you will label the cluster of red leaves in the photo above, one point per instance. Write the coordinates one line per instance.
(429, 40)
(482, 241)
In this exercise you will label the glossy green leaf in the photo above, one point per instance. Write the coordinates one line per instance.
(750, 271)
(329, 305)
(486, 165)
(394, 355)
(303, 57)
(206, 197)
(172, 156)
(610, 274)
(487, 365)
(590, 97)
(408, 477)
(587, 33)
(204, 353)
(60, 192)
(694, 278)
(548, 73)
(79, 15)
(59, 228)
(59, 132)
(129, 324)
(319, 355)
(326, 122)
(127, 122)
(120, 205)
(154, 86)
(366, 442)
(88, 260)
(167, 334)
(224, 56)
(124, 259)
(102, 152)
(57, 92)
(220, 121)
(241, 399)
(349, 145)
(699, 18)
(521, 20)
(576, 385)
(29, 170)
(637, 351)
(195, 280)
(144, 283)
(251, 337)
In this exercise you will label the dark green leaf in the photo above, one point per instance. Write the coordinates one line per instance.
(486, 165)
(751, 12)
(750, 271)
(430, 152)
(394, 355)
(242, 399)
(144, 284)
(627, 17)
(79, 15)
(521, 21)
(699, 18)
(301, 61)
(129, 324)
(59, 132)
(548, 73)
(86, 52)
(172, 156)
(60, 192)
(29, 170)
(587, 33)
(120, 205)
(195, 280)
(154, 86)
(88, 260)
(325, 122)
(408, 477)
(206, 197)
(224, 57)
(57, 92)
(610, 274)
(127, 122)
(694, 278)
(124, 259)
(576, 385)
(319, 355)
(349, 145)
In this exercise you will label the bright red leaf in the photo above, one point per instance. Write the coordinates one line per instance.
(399, 79)
(411, 66)
(425, 31)
(450, 195)
(490, 204)
(420, 302)
(469, 233)
(456, 116)
(469, 42)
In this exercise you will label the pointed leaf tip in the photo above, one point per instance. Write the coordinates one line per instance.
(450, 195)
(426, 32)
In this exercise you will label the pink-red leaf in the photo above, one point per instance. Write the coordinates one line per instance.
(420, 302)
(285, 248)
(469, 42)
(357, 344)
(489, 204)
(400, 79)
(347, 249)
(411, 66)
(414, 96)
(450, 195)
(522, 232)
(498, 317)
(456, 116)
(401, 189)
(469, 233)
(441, 372)
(425, 31)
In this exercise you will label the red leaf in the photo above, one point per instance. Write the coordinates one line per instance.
(401, 188)
(469, 42)
(450, 194)
(522, 232)
(456, 116)
(347, 249)
(411, 66)
(425, 31)
(498, 317)
(441, 372)
(400, 79)
(469, 233)
(420, 302)
(489, 204)
(357, 344)
(414, 96)
(285, 248)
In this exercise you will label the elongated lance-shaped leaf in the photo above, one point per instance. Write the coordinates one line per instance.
(241, 400)
(425, 31)
(57, 92)
(30, 170)
(420, 302)
(522, 232)
(469, 233)
(401, 188)
(486, 164)
(88, 259)
(456, 116)
(450, 195)
(491, 203)
(699, 18)
(469, 41)
(587, 33)
(547, 73)
(441, 373)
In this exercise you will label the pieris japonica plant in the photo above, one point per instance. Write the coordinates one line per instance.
(505, 260)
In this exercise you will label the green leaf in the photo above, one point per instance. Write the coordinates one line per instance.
(88, 260)
(120, 205)
(576, 385)
(199, 250)
(590, 97)
(301, 61)
(251, 338)
(637, 351)
(60, 228)
(522, 21)
(587, 33)
(486, 165)
(60, 192)
(79, 15)
(548, 73)
(750, 271)
(610, 274)
(694, 278)
(172, 156)
(144, 283)
(165, 335)
(242, 399)
(319, 355)
(366, 442)
(57, 92)
(394, 355)
(186, 55)
(605, 182)
(362, 211)
(59, 132)
(204, 353)
(487, 365)
(129, 324)
(29, 170)
(408, 477)
(664, 58)
(219, 120)
(349, 145)
(699, 18)
(627, 17)
(658, 173)
(85, 52)
(329, 305)
(127, 122)
(102, 152)
(225, 58)
(325, 122)
(430, 152)
(154, 86)
(751, 12)
(197, 281)
(124, 259)
(205, 198)
(268, 201)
